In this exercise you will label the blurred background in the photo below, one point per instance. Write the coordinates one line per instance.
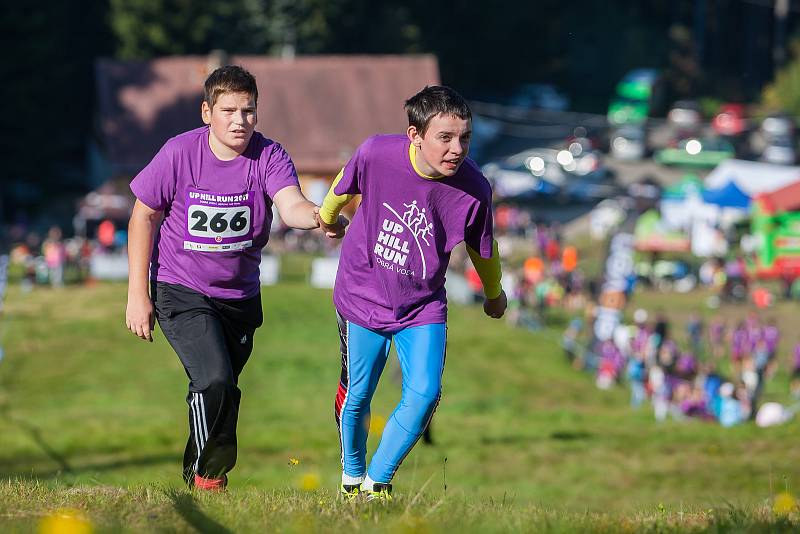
(643, 157)
(78, 76)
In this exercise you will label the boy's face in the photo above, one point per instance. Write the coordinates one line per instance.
(232, 120)
(441, 151)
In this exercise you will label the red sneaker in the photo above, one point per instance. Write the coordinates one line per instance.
(210, 484)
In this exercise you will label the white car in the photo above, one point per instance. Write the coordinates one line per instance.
(780, 151)
(628, 144)
(685, 114)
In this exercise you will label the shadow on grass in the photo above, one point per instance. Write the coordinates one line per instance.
(74, 468)
(187, 508)
(570, 436)
(35, 434)
(66, 466)
(507, 439)
(510, 439)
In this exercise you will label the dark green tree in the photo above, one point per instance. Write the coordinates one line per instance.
(783, 94)
(48, 93)
(149, 28)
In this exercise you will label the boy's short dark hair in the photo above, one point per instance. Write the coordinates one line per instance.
(229, 79)
(433, 100)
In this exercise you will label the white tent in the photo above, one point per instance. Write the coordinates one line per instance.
(680, 213)
(752, 177)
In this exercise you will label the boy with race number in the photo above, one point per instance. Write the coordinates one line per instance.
(215, 187)
(421, 196)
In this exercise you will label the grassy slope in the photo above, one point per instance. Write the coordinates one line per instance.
(83, 403)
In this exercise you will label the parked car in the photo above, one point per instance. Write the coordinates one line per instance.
(730, 120)
(645, 195)
(685, 115)
(780, 150)
(777, 125)
(696, 152)
(539, 96)
(628, 143)
(628, 111)
(530, 174)
(590, 188)
(637, 96)
(581, 140)
(543, 173)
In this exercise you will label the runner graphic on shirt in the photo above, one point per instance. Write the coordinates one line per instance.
(415, 218)
(392, 248)
(424, 231)
(413, 211)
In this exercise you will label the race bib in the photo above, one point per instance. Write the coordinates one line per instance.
(218, 222)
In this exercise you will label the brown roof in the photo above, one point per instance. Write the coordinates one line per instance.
(320, 108)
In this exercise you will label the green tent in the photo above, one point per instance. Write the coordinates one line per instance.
(651, 237)
(689, 184)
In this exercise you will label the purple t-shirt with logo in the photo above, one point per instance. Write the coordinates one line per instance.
(395, 254)
(217, 214)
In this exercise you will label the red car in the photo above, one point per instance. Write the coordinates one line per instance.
(730, 120)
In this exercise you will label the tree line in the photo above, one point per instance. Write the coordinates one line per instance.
(484, 49)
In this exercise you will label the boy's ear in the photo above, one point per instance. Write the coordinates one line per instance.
(414, 136)
(205, 112)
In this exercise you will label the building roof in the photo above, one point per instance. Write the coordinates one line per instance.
(320, 108)
(784, 199)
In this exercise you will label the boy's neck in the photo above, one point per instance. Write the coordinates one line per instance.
(221, 151)
(420, 165)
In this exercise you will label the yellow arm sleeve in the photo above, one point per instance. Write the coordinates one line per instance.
(333, 203)
(488, 270)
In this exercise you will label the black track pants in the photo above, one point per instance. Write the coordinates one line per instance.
(213, 339)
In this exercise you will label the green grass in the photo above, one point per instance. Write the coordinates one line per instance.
(93, 419)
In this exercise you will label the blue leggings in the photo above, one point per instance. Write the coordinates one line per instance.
(421, 351)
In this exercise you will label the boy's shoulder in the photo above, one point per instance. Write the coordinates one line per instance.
(183, 142)
(380, 143)
(469, 166)
(471, 174)
(188, 137)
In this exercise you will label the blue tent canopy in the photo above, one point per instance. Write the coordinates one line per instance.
(728, 196)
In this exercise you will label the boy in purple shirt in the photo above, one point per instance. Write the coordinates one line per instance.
(421, 197)
(771, 335)
(739, 346)
(215, 187)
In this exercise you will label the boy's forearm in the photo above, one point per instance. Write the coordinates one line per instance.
(333, 203)
(301, 215)
(329, 211)
(141, 230)
(489, 270)
(296, 211)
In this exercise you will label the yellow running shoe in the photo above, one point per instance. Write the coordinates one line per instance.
(379, 492)
(350, 492)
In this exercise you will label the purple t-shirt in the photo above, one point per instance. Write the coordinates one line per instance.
(771, 335)
(395, 254)
(217, 214)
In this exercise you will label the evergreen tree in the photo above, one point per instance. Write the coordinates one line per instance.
(783, 94)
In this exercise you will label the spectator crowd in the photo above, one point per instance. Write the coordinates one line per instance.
(718, 373)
